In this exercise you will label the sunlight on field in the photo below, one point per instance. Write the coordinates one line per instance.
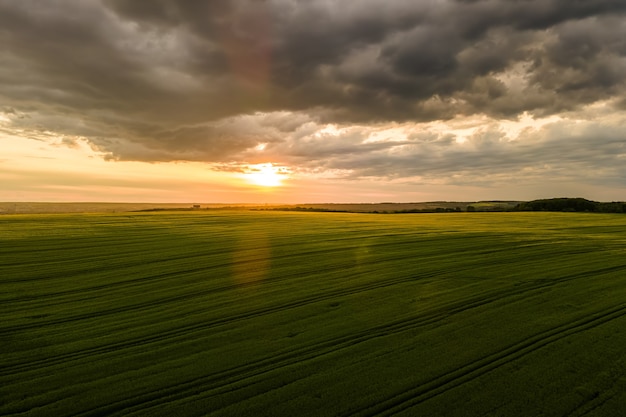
(251, 258)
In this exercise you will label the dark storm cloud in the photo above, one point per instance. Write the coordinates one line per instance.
(191, 80)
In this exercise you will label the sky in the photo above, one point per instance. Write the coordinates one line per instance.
(286, 101)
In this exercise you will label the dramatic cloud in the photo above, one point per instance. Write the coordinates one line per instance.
(369, 89)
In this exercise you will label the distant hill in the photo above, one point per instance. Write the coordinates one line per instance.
(571, 204)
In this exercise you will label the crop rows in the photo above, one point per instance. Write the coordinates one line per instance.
(265, 313)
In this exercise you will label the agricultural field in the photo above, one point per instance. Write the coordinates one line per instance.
(261, 313)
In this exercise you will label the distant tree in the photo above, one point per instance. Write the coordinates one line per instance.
(571, 205)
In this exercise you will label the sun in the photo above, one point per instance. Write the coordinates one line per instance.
(266, 175)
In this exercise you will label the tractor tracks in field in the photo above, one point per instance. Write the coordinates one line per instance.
(245, 375)
(93, 290)
(190, 295)
(437, 386)
(154, 277)
(182, 332)
(107, 262)
(439, 313)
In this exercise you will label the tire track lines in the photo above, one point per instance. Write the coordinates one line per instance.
(597, 400)
(591, 405)
(414, 396)
(146, 305)
(168, 260)
(115, 262)
(136, 261)
(321, 349)
(441, 311)
(118, 285)
(181, 331)
(239, 377)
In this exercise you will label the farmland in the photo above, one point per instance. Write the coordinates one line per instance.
(324, 314)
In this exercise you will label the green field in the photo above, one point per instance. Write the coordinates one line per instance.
(239, 313)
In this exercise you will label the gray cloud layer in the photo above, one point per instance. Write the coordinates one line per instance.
(210, 81)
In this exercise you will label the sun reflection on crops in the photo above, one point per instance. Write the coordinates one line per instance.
(251, 259)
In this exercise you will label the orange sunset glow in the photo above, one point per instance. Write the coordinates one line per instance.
(266, 175)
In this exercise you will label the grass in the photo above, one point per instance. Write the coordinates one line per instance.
(323, 314)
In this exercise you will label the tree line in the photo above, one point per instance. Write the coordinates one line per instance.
(571, 205)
